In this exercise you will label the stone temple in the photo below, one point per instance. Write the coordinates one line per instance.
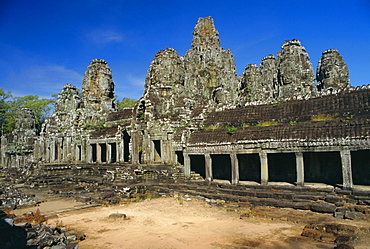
(197, 121)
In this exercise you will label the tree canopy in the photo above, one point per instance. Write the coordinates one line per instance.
(126, 103)
(10, 107)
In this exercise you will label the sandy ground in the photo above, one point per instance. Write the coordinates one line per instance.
(170, 223)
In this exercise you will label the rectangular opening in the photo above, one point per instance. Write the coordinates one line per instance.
(113, 152)
(221, 167)
(282, 167)
(323, 167)
(79, 153)
(103, 153)
(157, 150)
(93, 152)
(180, 157)
(126, 146)
(249, 167)
(56, 151)
(360, 167)
(198, 164)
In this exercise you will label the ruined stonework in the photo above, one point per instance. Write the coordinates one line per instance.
(98, 87)
(68, 100)
(295, 75)
(198, 120)
(210, 73)
(18, 147)
(164, 84)
(332, 72)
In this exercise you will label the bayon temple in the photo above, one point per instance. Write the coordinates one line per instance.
(197, 121)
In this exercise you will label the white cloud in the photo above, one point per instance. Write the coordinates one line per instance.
(100, 36)
(131, 86)
(43, 80)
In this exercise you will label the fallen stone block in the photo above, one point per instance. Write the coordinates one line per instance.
(117, 216)
(353, 215)
(304, 205)
(323, 207)
(339, 215)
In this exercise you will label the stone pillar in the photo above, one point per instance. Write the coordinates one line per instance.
(300, 168)
(208, 165)
(120, 150)
(187, 166)
(234, 168)
(52, 151)
(98, 153)
(108, 149)
(345, 156)
(264, 168)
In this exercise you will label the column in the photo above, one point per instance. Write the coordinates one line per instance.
(234, 168)
(345, 156)
(108, 151)
(187, 165)
(264, 168)
(98, 153)
(208, 165)
(300, 168)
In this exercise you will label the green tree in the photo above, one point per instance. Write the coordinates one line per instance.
(4, 107)
(126, 103)
(41, 107)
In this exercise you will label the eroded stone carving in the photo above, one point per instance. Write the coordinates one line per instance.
(210, 73)
(98, 87)
(332, 72)
(295, 75)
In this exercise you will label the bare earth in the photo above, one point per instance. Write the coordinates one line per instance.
(170, 223)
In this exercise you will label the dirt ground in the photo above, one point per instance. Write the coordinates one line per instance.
(171, 222)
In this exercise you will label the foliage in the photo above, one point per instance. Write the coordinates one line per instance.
(231, 130)
(4, 106)
(212, 127)
(267, 123)
(323, 117)
(10, 108)
(126, 103)
(293, 122)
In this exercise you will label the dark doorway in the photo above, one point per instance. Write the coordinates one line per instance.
(103, 153)
(93, 152)
(249, 167)
(323, 167)
(197, 164)
(180, 157)
(126, 146)
(113, 152)
(360, 161)
(282, 167)
(79, 153)
(221, 167)
(157, 150)
(56, 151)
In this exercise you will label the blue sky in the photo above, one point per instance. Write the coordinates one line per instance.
(46, 44)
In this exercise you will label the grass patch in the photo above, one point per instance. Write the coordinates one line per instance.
(323, 117)
(212, 127)
(267, 123)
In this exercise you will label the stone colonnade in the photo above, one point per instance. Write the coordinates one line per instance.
(345, 158)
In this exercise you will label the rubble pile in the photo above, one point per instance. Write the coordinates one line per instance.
(13, 198)
(38, 236)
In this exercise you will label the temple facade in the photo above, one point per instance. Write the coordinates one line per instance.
(270, 124)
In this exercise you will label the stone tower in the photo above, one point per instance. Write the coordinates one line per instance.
(250, 82)
(98, 87)
(68, 100)
(164, 83)
(332, 72)
(210, 73)
(295, 74)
